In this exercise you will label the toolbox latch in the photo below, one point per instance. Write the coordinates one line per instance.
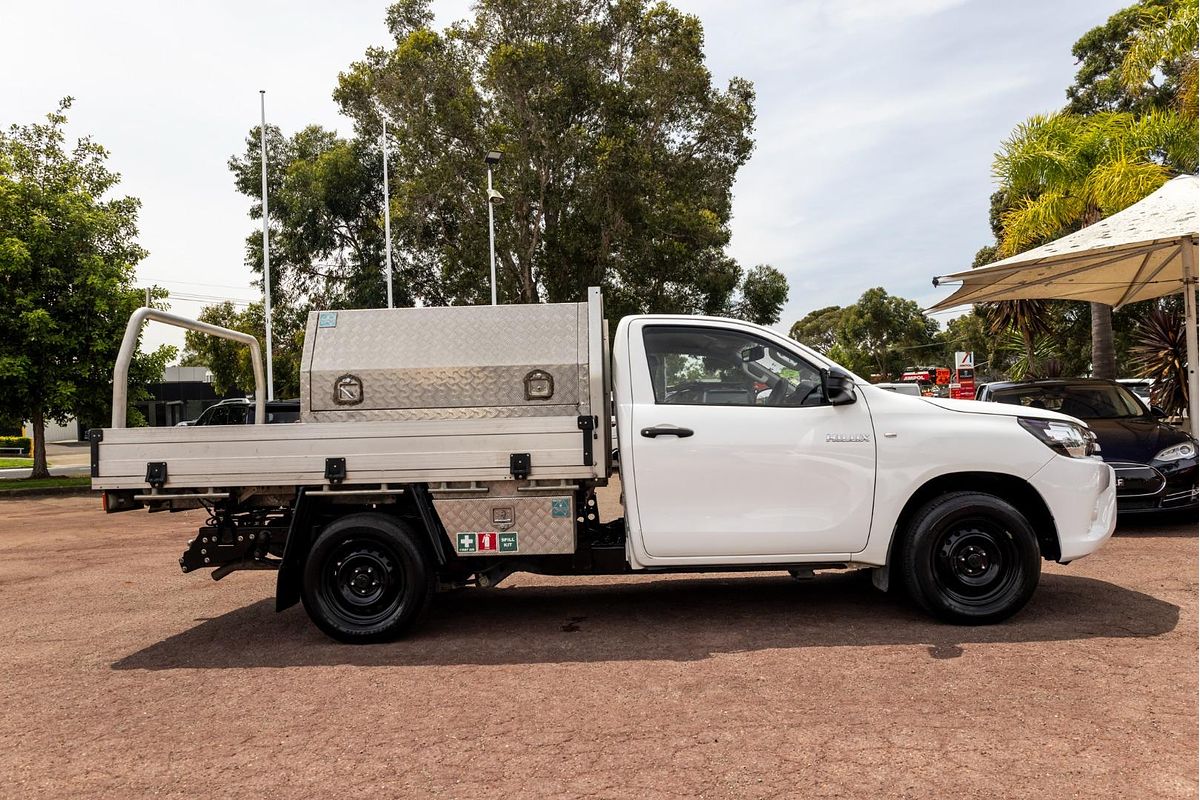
(156, 473)
(335, 470)
(518, 465)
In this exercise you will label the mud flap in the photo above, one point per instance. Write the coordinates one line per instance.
(299, 540)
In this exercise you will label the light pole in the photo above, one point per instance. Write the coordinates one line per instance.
(387, 218)
(494, 198)
(262, 98)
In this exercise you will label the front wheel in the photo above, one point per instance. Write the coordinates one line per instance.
(366, 579)
(970, 558)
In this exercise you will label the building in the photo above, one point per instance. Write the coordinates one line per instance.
(183, 393)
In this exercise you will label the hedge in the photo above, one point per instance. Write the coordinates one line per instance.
(15, 441)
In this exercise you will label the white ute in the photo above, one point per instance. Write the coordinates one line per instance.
(448, 447)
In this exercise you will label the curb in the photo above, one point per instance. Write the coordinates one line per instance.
(45, 491)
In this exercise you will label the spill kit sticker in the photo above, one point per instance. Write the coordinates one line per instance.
(486, 542)
(560, 508)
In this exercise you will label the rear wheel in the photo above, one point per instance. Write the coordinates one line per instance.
(366, 579)
(970, 558)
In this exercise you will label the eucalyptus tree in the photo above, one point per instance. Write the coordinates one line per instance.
(619, 157)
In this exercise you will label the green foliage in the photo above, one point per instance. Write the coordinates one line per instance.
(229, 362)
(67, 255)
(877, 336)
(1030, 357)
(969, 332)
(1163, 42)
(818, 329)
(22, 442)
(1062, 172)
(1160, 352)
(619, 160)
(1101, 54)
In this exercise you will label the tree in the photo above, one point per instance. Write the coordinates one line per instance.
(67, 257)
(1164, 42)
(970, 333)
(1063, 172)
(230, 363)
(326, 204)
(881, 333)
(619, 156)
(818, 329)
(1101, 54)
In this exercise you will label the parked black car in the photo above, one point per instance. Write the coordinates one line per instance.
(240, 411)
(1155, 463)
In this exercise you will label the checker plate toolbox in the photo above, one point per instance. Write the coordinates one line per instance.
(394, 397)
(504, 517)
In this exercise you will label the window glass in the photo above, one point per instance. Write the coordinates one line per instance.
(711, 366)
(1085, 401)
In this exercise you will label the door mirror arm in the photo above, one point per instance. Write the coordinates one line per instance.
(837, 388)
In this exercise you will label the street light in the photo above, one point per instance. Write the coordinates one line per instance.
(494, 198)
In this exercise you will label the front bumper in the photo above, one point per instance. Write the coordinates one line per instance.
(1082, 498)
(1157, 486)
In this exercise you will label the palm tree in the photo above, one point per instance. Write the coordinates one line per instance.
(1028, 318)
(1062, 172)
(1167, 35)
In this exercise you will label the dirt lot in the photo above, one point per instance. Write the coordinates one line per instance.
(122, 677)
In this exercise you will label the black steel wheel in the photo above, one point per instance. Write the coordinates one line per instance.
(366, 579)
(970, 558)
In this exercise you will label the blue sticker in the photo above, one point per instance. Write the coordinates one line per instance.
(560, 508)
(327, 319)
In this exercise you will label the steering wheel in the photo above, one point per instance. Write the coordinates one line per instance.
(807, 395)
(779, 393)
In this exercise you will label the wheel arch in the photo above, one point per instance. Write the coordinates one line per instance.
(310, 515)
(1010, 488)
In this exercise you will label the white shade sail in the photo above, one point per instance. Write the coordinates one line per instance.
(1136, 254)
(1146, 251)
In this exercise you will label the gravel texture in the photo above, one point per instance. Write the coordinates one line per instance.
(123, 677)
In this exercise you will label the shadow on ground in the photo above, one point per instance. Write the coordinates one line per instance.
(1168, 524)
(672, 620)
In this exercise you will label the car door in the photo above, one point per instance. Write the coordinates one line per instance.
(735, 452)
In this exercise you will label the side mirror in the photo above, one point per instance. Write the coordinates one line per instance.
(838, 387)
(1157, 412)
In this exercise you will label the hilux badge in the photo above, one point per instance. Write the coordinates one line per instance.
(847, 437)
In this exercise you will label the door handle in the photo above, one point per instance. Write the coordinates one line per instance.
(667, 430)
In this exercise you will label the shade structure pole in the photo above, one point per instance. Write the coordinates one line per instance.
(1190, 334)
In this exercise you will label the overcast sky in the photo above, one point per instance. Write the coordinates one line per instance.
(877, 119)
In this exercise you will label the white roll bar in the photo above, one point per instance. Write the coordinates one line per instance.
(129, 345)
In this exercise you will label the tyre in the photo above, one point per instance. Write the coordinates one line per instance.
(970, 558)
(366, 579)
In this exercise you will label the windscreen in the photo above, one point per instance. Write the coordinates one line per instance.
(1085, 401)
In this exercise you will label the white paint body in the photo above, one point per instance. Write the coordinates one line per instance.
(753, 486)
(760, 485)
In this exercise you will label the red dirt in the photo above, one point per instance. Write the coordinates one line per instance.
(124, 677)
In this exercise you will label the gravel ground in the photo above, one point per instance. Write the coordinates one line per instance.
(122, 677)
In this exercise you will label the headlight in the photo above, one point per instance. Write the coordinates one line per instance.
(1177, 452)
(1064, 438)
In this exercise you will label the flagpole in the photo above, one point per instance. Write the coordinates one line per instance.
(387, 219)
(266, 244)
